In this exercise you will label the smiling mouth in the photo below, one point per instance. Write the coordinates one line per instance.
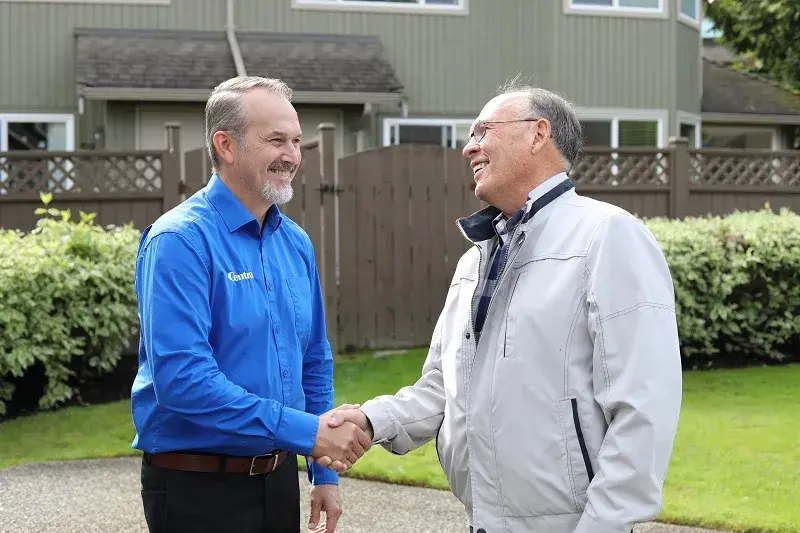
(477, 168)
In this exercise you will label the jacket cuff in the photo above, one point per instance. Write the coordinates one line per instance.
(380, 419)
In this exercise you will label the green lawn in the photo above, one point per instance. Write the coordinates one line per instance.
(735, 466)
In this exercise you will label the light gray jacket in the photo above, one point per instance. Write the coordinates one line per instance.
(562, 418)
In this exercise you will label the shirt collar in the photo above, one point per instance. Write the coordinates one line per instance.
(233, 212)
(501, 221)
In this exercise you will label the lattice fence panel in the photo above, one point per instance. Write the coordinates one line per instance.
(760, 170)
(621, 168)
(80, 173)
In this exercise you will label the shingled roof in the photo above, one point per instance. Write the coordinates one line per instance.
(730, 91)
(172, 59)
(152, 59)
(339, 63)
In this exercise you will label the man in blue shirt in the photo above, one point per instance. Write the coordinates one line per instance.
(235, 371)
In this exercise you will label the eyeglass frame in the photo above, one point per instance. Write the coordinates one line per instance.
(483, 123)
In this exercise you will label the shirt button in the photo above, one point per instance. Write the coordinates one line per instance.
(278, 329)
(286, 373)
(269, 286)
(468, 335)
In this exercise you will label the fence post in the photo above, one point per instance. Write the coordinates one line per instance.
(329, 230)
(679, 165)
(171, 165)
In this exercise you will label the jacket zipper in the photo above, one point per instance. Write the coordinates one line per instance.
(581, 440)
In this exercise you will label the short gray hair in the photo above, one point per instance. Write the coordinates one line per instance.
(225, 110)
(565, 127)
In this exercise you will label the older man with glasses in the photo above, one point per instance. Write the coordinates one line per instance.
(553, 381)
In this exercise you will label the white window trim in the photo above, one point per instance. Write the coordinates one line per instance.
(661, 116)
(392, 123)
(773, 130)
(68, 120)
(686, 19)
(691, 119)
(118, 2)
(616, 11)
(383, 7)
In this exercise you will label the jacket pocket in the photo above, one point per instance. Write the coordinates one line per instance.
(578, 461)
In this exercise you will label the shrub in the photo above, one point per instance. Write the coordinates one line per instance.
(67, 300)
(737, 285)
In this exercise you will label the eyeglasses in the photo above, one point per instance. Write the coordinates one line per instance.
(480, 127)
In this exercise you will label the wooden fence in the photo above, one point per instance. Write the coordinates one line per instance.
(121, 187)
(383, 221)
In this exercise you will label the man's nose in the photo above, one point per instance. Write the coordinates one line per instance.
(471, 148)
(293, 155)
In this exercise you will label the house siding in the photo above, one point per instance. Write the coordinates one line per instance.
(688, 69)
(42, 79)
(548, 47)
(450, 65)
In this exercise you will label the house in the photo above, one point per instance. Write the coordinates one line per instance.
(108, 74)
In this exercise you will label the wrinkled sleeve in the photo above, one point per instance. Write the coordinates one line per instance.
(408, 419)
(637, 374)
(318, 370)
(174, 293)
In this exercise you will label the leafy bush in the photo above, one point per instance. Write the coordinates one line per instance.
(737, 284)
(67, 300)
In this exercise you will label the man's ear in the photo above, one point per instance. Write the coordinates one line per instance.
(225, 146)
(541, 134)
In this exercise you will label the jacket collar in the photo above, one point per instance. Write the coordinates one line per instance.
(480, 226)
(233, 212)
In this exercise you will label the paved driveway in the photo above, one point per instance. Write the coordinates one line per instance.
(102, 496)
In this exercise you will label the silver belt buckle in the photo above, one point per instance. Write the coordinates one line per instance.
(273, 455)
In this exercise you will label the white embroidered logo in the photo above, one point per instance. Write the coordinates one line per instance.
(239, 277)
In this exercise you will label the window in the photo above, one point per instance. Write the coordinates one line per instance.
(451, 133)
(24, 132)
(616, 6)
(741, 137)
(689, 127)
(383, 6)
(623, 128)
(690, 9)
(619, 133)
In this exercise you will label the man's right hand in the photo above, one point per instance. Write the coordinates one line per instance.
(343, 416)
(344, 443)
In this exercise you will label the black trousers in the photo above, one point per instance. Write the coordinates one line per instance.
(177, 501)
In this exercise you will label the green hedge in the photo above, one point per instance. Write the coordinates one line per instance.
(67, 294)
(67, 300)
(737, 284)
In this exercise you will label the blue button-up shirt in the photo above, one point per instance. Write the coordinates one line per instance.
(233, 354)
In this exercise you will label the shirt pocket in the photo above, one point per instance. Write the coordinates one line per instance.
(302, 304)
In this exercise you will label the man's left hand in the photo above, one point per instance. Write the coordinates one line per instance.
(324, 498)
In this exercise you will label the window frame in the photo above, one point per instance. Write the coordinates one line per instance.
(660, 116)
(691, 119)
(379, 6)
(453, 123)
(689, 21)
(615, 10)
(67, 119)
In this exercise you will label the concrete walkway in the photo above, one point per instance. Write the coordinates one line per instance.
(102, 496)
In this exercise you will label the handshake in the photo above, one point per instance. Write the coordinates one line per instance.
(344, 435)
